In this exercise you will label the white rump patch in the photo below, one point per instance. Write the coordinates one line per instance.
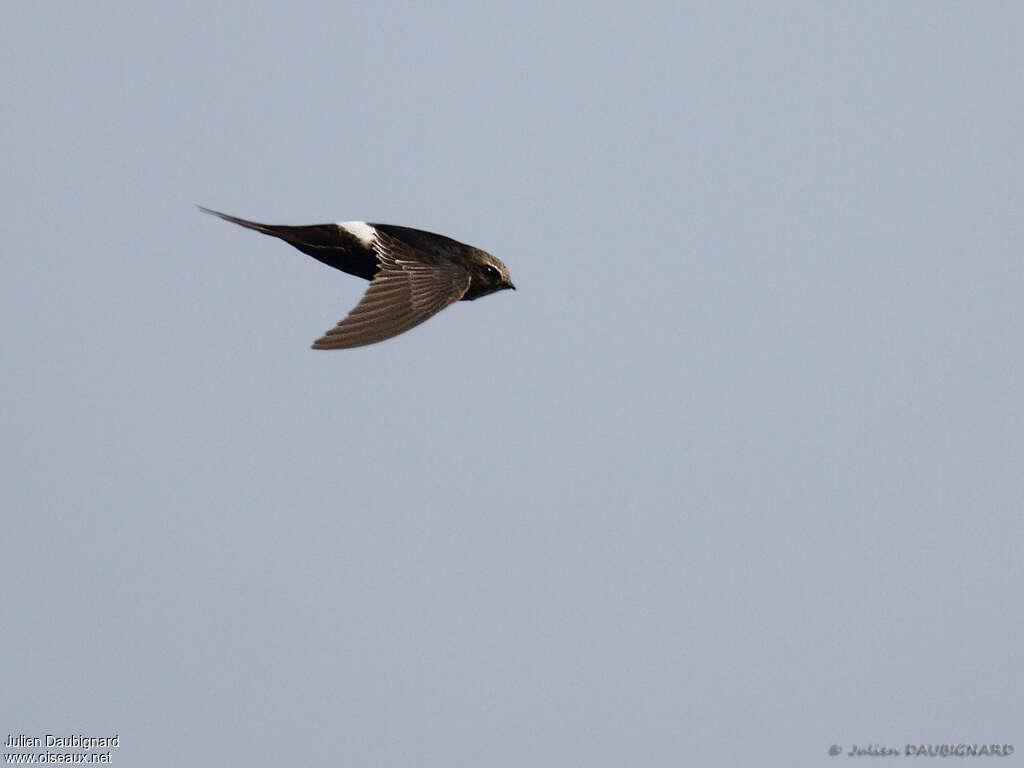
(360, 229)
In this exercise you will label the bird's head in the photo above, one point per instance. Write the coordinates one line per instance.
(488, 274)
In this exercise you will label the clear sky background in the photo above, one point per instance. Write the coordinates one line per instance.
(735, 475)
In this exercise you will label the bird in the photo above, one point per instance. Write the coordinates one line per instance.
(413, 274)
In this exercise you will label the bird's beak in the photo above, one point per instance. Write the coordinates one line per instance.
(510, 286)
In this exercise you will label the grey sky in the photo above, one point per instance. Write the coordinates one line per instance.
(735, 475)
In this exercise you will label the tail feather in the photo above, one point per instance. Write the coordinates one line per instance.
(266, 229)
(328, 243)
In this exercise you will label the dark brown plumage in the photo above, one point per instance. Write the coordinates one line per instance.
(413, 274)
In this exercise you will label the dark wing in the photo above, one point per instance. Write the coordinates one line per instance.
(411, 286)
(327, 243)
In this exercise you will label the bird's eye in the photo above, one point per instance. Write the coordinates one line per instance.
(491, 273)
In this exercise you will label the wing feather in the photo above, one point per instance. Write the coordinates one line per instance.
(411, 286)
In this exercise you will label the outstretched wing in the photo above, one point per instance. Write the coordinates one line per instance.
(411, 286)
